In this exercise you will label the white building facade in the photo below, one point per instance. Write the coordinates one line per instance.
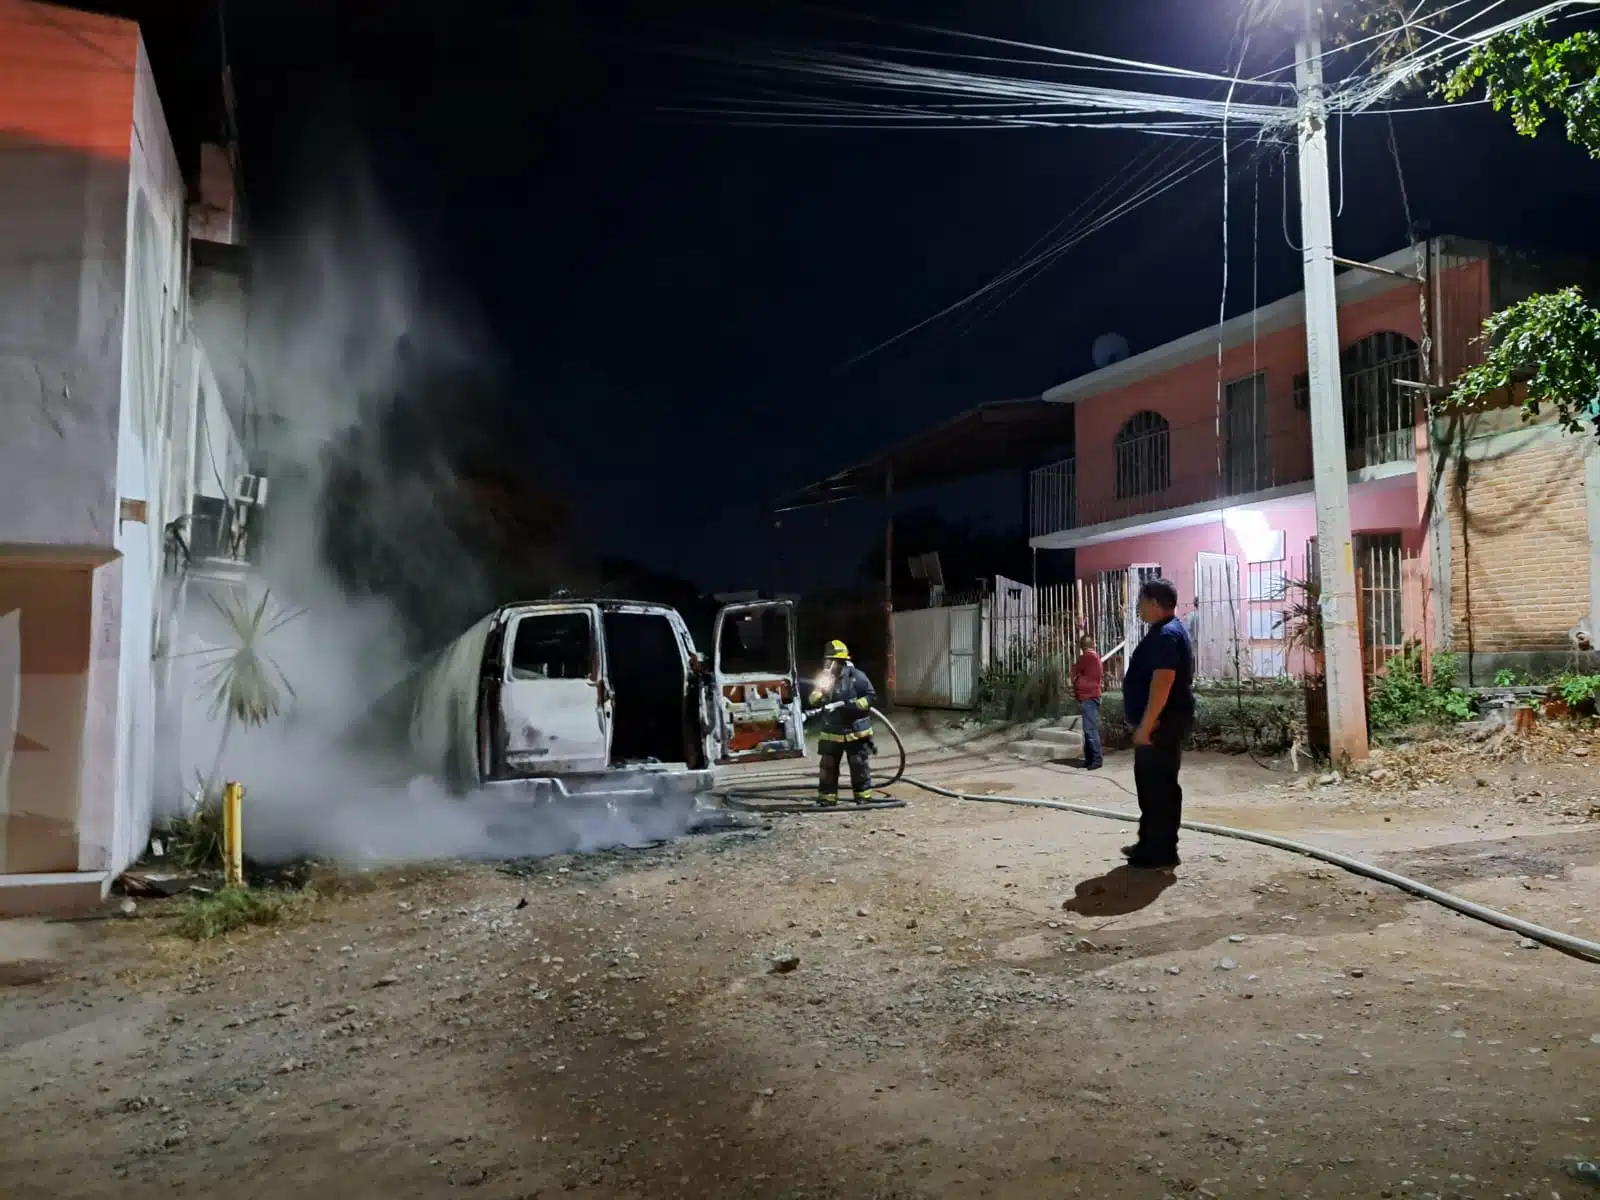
(110, 414)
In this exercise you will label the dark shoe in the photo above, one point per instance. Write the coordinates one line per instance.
(1093, 766)
(1130, 850)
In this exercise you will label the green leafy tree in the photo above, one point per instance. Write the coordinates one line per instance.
(1534, 75)
(1548, 342)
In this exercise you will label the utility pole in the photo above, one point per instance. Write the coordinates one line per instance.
(1341, 639)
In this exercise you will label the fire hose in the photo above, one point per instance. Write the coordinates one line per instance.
(759, 799)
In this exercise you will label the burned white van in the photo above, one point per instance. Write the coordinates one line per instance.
(597, 696)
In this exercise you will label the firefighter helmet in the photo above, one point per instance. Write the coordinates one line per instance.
(837, 650)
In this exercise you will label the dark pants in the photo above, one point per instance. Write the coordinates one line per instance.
(1155, 776)
(1091, 732)
(859, 755)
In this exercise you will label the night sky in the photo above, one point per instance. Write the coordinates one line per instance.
(676, 303)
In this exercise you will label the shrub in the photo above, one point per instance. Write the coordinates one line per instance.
(1398, 696)
(1245, 722)
(1581, 692)
(1028, 694)
(1222, 721)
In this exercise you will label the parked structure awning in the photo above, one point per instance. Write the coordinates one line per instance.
(1002, 436)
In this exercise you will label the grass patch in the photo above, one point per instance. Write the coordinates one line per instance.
(227, 910)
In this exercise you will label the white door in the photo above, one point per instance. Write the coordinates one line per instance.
(1217, 634)
(555, 702)
(758, 682)
(1133, 628)
(964, 620)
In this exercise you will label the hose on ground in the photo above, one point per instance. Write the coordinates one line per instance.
(780, 799)
(1556, 940)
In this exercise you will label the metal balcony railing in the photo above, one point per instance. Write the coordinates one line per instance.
(1052, 498)
(1151, 467)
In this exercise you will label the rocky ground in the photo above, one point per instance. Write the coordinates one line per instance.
(949, 999)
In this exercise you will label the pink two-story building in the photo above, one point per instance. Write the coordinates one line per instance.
(1193, 461)
(1474, 532)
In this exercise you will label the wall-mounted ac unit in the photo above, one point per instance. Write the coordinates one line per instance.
(250, 489)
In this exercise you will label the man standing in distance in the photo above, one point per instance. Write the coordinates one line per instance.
(1088, 677)
(1158, 701)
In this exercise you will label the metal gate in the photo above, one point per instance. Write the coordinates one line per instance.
(936, 656)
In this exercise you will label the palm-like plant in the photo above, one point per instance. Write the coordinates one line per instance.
(244, 683)
(1302, 617)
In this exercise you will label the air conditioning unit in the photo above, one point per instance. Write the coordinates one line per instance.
(250, 489)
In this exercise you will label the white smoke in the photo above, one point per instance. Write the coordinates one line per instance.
(338, 327)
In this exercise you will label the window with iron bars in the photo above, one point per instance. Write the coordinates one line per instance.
(1378, 414)
(1143, 455)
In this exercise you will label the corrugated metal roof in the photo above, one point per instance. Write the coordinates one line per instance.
(1005, 435)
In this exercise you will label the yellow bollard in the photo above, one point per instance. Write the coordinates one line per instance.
(233, 833)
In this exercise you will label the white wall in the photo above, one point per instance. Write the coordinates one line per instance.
(158, 396)
(63, 209)
(219, 454)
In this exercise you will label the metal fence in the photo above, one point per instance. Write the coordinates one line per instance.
(1247, 621)
(1034, 628)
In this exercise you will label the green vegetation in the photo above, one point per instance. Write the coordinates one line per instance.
(227, 910)
(1506, 677)
(1399, 697)
(1029, 694)
(1581, 692)
(1535, 76)
(244, 684)
(195, 842)
(1550, 341)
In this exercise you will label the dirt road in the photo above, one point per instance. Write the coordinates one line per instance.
(892, 1004)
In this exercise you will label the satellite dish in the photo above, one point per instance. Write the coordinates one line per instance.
(1109, 348)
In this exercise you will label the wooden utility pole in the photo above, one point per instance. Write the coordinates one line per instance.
(1341, 633)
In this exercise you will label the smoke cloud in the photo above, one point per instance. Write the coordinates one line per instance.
(363, 375)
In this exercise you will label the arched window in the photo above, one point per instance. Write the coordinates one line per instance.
(1144, 458)
(1379, 425)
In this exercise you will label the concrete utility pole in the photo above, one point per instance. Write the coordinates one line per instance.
(1341, 639)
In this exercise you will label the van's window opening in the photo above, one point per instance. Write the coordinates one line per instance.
(754, 643)
(553, 646)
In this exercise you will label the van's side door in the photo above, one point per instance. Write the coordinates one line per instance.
(555, 702)
(757, 682)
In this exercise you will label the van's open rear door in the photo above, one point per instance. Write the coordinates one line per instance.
(555, 701)
(758, 682)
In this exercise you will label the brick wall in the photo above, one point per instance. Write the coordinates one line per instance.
(1519, 544)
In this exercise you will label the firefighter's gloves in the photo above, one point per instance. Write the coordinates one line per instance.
(816, 699)
(863, 703)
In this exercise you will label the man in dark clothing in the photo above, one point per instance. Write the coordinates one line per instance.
(847, 730)
(1088, 677)
(1158, 701)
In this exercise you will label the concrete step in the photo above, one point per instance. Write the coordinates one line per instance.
(1059, 735)
(63, 894)
(1037, 750)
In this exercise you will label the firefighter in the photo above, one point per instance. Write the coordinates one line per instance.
(846, 731)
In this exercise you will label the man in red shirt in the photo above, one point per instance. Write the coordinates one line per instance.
(1088, 676)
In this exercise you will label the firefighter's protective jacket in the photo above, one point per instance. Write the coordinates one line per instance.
(852, 722)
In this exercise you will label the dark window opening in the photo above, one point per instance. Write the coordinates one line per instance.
(644, 663)
(756, 643)
(1379, 414)
(553, 646)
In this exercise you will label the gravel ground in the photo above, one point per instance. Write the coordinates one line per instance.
(942, 1000)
